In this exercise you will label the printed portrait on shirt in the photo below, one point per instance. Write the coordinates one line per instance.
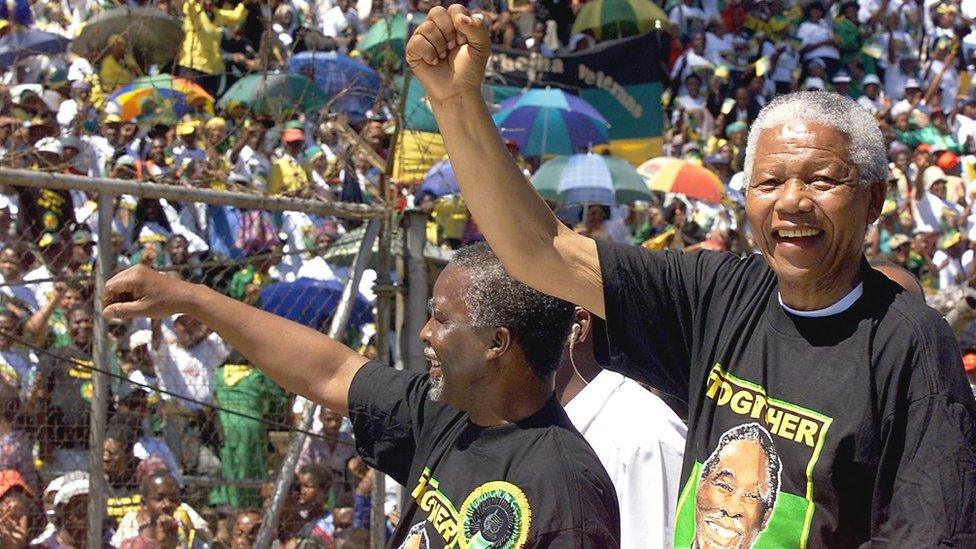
(416, 537)
(737, 489)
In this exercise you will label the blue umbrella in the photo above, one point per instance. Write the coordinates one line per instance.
(310, 302)
(439, 180)
(17, 45)
(550, 122)
(350, 85)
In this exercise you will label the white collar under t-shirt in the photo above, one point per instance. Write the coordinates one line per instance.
(845, 303)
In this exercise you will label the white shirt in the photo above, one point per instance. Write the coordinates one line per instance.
(785, 63)
(684, 17)
(812, 33)
(643, 458)
(189, 372)
(929, 211)
(715, 46)
(954, 272)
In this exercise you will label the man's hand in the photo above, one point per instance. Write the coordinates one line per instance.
(167, 532)
(448, 52)
(141, 291)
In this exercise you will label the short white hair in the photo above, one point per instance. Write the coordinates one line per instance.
(835, 111)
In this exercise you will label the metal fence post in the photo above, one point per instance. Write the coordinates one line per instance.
(384, 290)
(99, 402)
(350, 291)
(415, 314)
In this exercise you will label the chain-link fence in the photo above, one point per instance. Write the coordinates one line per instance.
(154, 405)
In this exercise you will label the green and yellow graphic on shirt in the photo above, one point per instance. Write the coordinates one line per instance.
(496, 514)
(735, 497)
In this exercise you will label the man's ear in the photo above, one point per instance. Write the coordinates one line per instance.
(582, 317)
(500, 342)
(878, 190)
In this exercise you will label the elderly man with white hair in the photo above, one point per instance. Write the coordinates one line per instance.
(856, 384)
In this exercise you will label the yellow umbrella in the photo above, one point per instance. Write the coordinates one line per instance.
(606, 19)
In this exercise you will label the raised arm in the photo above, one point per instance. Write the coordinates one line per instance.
(299, 359)
(448, 54)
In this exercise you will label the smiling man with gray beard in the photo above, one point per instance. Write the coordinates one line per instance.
(488, 454)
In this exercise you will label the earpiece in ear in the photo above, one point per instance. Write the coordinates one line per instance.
(575, 331)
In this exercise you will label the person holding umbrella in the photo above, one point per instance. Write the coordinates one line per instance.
(815, 384)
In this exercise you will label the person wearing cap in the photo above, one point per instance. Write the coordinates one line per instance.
(288, 175)
(77, 110)
(186, 151)
(48, 151)
(842, 83)
(953, 261)
(321, 165)
(872, 99)
(932, 210)
(117, 67)
(20, 514)
(807, 320)
(70, 517)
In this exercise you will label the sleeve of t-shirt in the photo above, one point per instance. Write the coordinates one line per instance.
(925, 494)
(391, 413)
(651, 299)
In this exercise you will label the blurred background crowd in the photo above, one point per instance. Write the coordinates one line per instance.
(298, 99)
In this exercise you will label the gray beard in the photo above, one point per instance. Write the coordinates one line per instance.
(436, 389)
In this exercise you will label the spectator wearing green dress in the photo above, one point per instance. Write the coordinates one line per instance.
(242, 390)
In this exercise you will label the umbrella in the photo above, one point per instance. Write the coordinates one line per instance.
(550, 121)
(349, 85)
(162, 90)
(153, 36)
(388, 35)
(589, 179)
(274, 94)
(440, 180)
(672, 175)
(606, 19)
(310, 302)
(19, 44)
(342, 252)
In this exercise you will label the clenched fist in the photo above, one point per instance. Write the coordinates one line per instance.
(448, 52)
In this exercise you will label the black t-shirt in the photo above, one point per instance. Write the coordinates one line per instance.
(803, 432)
(534, 483)
(69, 383)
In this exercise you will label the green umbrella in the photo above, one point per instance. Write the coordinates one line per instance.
(342, 252)
(590, 179)
(385, 41)
(274, 94)
(606, 19)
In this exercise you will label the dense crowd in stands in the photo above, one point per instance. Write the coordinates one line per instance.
(910, 63)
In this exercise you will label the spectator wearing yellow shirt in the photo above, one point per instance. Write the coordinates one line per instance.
(118, 67)
(288, 175)
(200, 57)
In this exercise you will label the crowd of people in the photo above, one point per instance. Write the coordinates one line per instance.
(908, 63)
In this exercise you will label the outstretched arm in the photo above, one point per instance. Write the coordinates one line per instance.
(448, 54)
(299, 359)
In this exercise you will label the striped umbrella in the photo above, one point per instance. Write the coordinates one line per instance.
(672, 175)
(550, 121)
(162, 90)
(589, 179)
(606, 19)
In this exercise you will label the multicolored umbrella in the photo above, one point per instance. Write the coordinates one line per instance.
(672, 175)
(153, 36)
(607, 19)
(349, 85)
(19, 44)
(274, 94)
(149, 93)
(550, 121)
(440, 180)
(589, 179)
